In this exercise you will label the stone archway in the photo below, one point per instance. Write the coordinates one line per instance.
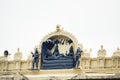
(60, 33)
(58, 49)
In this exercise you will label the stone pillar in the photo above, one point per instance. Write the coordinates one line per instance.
(101, 57)
(29, 61)
(118, 62)
(115, 62)
(101, 63)
(3, 63)
(87, 63)
(29, 64)
(17, 65)
(86, 57)
(115, 58)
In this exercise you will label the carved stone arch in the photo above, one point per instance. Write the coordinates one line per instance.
(61, 33)
(64, 41)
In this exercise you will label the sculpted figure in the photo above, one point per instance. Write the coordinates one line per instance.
(78, 56)
(101, 52)
(35, 59)
(53, 56)
(71, 52)
(56, 51)
(57, 59)
(18, 55)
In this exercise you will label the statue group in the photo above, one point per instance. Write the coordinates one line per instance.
(56, 60)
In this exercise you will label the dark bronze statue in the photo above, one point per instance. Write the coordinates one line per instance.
(57, 60)
(35, 59)
(78, 56)
(56, 51)
(6, 53)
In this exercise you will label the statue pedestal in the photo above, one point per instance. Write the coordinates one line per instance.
(51, 74)
(55, 71)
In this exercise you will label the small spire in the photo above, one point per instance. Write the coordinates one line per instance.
(118, 49)
(58, 27)
(18, 49)
(101, 46)
(90, 49)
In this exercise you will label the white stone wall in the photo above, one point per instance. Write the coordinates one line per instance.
(87, 64)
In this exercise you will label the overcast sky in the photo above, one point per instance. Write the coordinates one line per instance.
(23, 23)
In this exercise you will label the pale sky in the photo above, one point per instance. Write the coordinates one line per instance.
(23, 23)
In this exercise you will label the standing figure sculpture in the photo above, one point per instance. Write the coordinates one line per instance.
(78, 56)
(71, 52)
(56, 51)
(35, 59)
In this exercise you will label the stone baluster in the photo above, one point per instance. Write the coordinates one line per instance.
(115, 58)
(101, 57)
(29, 61)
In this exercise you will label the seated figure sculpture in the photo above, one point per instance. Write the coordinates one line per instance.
(50, 56)
(56, 60)
(35, 59)
(55, 55)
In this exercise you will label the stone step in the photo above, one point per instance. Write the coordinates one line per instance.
(58, 61)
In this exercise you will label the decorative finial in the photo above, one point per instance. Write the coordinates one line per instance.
(18, 49)
(101, 46)
(90, 50)
(118, 49)
(58, 27)
(62, 29)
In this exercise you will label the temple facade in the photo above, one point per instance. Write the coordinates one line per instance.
(100, 64)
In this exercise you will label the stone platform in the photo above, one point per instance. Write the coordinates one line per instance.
(63, 75)
(56, 71)
(59, 74)
(52, 74)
